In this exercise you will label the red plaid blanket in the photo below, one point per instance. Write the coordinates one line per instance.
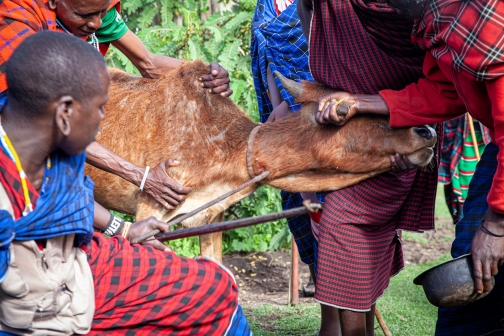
(466, 35)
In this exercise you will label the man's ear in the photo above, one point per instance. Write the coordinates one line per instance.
(53, 4)
(64, 111)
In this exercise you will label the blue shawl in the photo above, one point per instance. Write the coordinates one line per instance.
(277, 41)
(65, 206)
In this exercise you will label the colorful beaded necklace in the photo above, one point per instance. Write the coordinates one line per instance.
(7, 144)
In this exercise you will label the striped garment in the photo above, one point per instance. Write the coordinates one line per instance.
(277, 42)
(483, 316)
(458, 161)
(363, 47)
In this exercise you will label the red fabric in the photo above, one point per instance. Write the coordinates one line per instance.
(465, 35)
(368, 252)
(22, 18)
(445, 94)
(10, 180)
(362, 47)
(142, 291)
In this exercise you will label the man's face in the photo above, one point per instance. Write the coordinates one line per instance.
(81, 17)
(86, 118)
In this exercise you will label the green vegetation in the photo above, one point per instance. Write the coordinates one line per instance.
(404, 308)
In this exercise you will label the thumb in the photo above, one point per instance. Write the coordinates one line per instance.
(171, 163)
(158, 245)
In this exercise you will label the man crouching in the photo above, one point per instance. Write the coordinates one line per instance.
(57, 276)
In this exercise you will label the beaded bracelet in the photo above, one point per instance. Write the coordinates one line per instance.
(490, 232)
(114, 226)
(126, 230)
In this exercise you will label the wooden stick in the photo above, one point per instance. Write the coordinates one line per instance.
(382, 323)
(204, 206)
(473, 136)
(224, 226)
(294, 287)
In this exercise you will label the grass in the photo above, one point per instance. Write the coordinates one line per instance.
(404, 306)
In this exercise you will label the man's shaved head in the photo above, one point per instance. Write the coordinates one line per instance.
(48, 66)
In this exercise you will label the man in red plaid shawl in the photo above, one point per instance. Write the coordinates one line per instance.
(464, 71)
(363, 47)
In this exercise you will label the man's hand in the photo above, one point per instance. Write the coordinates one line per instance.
(217, 81)
(279, 112)
(336, 108)
(401, 163)
(487, 251)
(162, 188)
(145, 226)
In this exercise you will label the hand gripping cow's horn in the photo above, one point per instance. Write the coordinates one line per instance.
(235, 224)
(203, 207)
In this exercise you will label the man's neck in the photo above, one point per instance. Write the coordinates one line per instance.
(31, 140)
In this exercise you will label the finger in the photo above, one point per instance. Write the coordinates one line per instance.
(227, 93)
(157, 244)
(393, 163)
(400, 162)
(155, 224)
(408, 163)
(494, 268)
(322, 103)
(219, 89)
(332, 114)
(271, 118)
(171, 163)
(206, 78)
(478, 276)
(214, 68)
(487, 277)
(326, 113)
(214, 83)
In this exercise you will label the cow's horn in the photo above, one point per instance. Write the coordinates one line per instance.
(295, 89)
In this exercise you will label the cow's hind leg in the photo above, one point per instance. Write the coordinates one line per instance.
(211, 244)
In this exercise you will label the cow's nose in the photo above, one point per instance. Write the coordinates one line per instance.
(424, 132)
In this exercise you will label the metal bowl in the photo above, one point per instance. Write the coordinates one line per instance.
(450, 284)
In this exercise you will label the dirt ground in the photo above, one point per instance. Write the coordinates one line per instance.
(264, 277)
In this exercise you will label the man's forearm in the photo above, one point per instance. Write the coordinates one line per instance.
(100, 157)
(149, 64)
(371, 104)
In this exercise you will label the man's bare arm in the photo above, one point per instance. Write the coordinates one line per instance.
(158, 185)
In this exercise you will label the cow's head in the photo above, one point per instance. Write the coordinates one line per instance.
(330, 156)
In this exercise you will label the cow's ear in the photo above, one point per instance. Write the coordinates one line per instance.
(294, 88)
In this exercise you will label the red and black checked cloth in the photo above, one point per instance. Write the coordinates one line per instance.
(466, 35)
(363, 48)
(22, 18)
(142, 291)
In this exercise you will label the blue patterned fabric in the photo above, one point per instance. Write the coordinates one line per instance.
(65, 206)
(485, 315)
(239, 325)
(300, 227)
(277, 41)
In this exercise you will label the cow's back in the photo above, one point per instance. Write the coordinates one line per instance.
(150, 120)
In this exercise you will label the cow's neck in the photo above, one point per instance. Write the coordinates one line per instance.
(301, 156)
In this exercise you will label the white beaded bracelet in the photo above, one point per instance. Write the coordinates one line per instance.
(144, 178)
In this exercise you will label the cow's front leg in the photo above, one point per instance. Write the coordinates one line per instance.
(211, 244)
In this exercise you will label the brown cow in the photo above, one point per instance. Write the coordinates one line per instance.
(149, 121)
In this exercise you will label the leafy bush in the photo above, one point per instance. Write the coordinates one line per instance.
(175, 29)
